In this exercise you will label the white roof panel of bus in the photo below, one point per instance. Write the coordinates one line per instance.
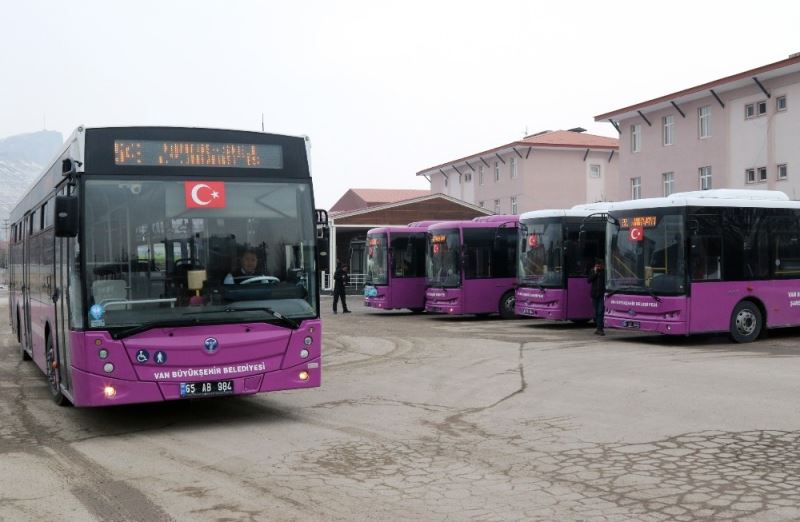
(714, 198)
(584, 210)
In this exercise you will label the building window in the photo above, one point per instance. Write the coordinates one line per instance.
(636, 188)
(780, 103)
(514, 205)
(756, 175)
(513, 167)
(446, 181)
(636, 138)
(496, 206)
(594, 171)
(762, 108)
(749, 111)
(750, 175)
(704, 121)
(668, 129)
(705, 178)
(762, 174)
(497, 171)
(481, 204)
(480, 175)
(468, 177)
(783, 171)
(668, 179)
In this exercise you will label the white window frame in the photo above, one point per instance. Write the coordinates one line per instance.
(762, 174)
(496, 171)
(759, 105)
(705, 177)
(446, 181)
(636, 188)
(480, 175)
(468, 177)
(750, 175)
(482, 204)
(513, 167)
(595, 171)
(783, 171)
(780, 103)
(496, 206)
(668, 130)
(668, 183)
(636, 138)
(514, 205)
(704, 122)
(749, 111)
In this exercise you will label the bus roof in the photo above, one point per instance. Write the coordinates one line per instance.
(508, 221)
(500, 218)
(577, 211)
(714, 198)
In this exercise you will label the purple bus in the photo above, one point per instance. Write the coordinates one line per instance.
(471, 266)
(707, 261)
(556, 250)
(153, 263)
(396, 267)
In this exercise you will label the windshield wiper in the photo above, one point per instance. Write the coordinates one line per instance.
(291, 323)
(652, 294)
(635, 289)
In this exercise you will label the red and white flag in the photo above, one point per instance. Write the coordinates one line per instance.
(637, 233)
(204, 194)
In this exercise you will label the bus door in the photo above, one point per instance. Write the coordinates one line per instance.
(59, 296)
(26, 283)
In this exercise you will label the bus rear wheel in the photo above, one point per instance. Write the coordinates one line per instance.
(54, 373)
(507, 305)
(746, 322)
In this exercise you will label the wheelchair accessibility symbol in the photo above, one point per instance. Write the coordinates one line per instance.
(142, 356)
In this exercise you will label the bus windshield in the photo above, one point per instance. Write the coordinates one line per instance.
(647, 253)
(541, 258)
(377, 259)
(186, 252)
(443, 262)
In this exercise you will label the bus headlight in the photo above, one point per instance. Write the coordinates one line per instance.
(109, 392)
(303, 375)
(108, 367)
(308, 341)
(103, 353)
(303, 353)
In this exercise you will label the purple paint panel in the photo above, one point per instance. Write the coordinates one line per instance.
(444, 301)
(645, 313)
(579, 299)
(547, 303)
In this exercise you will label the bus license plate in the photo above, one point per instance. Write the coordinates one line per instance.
(631, 324)
(204, 389)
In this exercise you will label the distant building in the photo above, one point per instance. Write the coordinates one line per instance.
(735, 132)
(550, 169)
(348, 229)
(355, 199)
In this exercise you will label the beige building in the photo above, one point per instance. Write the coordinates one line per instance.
(551, 169)
(740, 131)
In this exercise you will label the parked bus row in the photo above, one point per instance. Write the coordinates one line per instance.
(696, 262)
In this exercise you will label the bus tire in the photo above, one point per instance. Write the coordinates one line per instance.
(22, 352)
(506, 307)
(417, 310)
(53, 372)
(746, 322)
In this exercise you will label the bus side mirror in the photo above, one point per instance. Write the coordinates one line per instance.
(67, 219)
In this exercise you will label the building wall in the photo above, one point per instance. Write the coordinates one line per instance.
(736, 143)
(546, 178)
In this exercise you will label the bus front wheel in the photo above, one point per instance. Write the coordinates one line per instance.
(507, 305)
(54, 373)
(746, 322)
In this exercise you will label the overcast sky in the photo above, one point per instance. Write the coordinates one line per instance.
(383, 89)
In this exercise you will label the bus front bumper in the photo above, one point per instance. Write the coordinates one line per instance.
(640, 324)
(99, 390)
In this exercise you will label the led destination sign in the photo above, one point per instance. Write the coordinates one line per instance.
(155, 153)
(638, 221)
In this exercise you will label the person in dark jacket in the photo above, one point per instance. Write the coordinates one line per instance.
(597, 277)
(340, 280)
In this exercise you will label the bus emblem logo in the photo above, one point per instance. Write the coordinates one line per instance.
(211, 345)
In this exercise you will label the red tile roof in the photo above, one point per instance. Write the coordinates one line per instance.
(375, 196)
(547, 139)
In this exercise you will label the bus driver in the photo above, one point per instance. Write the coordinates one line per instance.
(247, 271)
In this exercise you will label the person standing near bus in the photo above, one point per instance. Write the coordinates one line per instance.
(597, 278)
(340, 280)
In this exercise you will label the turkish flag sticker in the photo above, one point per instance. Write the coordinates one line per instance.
(204, 194)
(637, 233)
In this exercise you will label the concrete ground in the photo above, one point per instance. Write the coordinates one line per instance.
(433, 418)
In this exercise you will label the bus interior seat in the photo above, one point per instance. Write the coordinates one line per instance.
(109, 290)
